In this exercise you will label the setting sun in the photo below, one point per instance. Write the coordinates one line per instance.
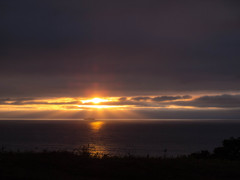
(95, 100)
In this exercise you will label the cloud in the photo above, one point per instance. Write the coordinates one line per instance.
(31, 101)
(140, 98)
(170, 98)
(122, 99)
(17, 101)
(207, 106)
(119, 47)
(219, 101)
(122, 103)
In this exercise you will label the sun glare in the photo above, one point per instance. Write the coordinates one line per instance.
(95, 100)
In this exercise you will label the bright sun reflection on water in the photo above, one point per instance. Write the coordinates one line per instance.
(96, 125)
(97, 147)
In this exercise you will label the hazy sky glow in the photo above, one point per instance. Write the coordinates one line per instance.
(186, 106)
(143, 59)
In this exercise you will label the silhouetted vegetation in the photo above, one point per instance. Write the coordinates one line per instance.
(230, 150)
(223, 163)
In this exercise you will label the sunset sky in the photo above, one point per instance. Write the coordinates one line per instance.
(119, 59)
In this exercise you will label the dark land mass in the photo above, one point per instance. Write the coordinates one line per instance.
(223, 163)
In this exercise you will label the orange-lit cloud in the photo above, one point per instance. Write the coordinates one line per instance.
(118, 106)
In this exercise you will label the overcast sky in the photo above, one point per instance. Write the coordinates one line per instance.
(140, 48)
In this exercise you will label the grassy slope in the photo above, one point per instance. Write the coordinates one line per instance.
(64, 165)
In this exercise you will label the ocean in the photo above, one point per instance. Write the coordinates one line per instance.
(118, 137)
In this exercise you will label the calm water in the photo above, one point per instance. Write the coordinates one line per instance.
(140, 137)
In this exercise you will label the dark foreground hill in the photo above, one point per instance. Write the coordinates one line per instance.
(82, 165)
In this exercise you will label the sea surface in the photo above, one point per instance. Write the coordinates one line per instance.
(118, 137)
